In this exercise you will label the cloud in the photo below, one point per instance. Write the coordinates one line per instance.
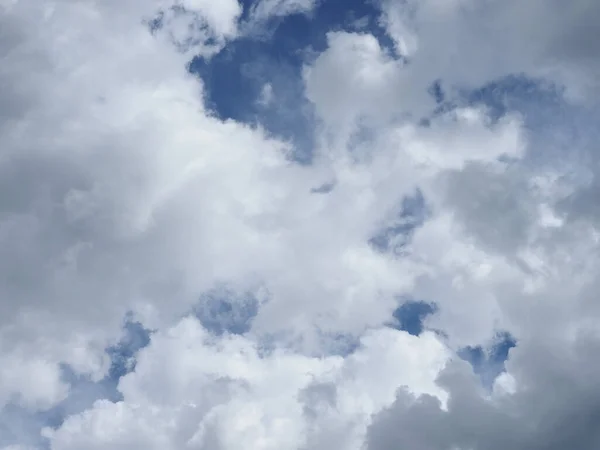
(470, 42)
(529, 418)
(262, 296)
(219, 393)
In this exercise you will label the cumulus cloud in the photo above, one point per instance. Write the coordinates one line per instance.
(471, 42)
(258, 279)
(223, 393)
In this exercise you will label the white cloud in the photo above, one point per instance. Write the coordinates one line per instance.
(193, 391)
(266, 95)
(199, 27)
(120, 192)
(467, 43)
(38, 382)
(372, 86)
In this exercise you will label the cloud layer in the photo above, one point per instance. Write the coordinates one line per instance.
(171, 279)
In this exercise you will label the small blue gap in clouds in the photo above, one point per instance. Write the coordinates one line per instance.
(328, 343)
(410, 315)
(136, 337)
(84, 392)
(517, 93)
(550, 121)
(437, 92)
(339, 344)
(323, 189)
(538, 101)
(395, 236)
(489, 364)
(223, 311)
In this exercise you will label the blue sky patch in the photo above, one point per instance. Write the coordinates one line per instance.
(489, 363)
(135, 338)
(410, 315)
(395, 236)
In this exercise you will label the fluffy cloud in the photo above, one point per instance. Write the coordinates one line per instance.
(192, 391)
(124, 196)
(554, 406)
(472, 42)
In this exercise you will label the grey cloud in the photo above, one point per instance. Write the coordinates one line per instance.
(556, 406)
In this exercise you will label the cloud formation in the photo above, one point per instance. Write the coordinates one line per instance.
(264, 303)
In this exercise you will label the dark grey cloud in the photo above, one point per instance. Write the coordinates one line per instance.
(556, 405)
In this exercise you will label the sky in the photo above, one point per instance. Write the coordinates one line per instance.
(299, 225)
